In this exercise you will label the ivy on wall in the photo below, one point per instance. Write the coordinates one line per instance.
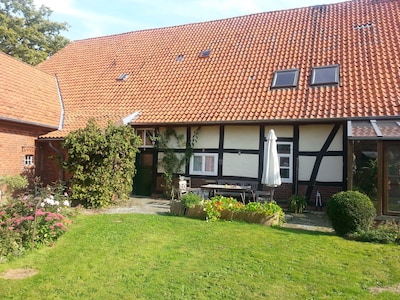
(171, 161)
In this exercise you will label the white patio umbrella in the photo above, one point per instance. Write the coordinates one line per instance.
(271, 173)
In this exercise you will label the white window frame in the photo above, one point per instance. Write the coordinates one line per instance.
(28, 160)
(203, 172)
(286, 155)
(144, 132)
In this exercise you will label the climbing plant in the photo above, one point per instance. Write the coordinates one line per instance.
(172, 161)
(102, 162)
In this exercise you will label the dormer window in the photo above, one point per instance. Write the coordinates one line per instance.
(285, 79)
(205, 53)
(326, 75)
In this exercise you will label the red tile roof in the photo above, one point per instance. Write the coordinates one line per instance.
(233, 83)
(27, 94)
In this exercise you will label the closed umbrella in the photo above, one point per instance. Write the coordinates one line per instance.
(271, 173)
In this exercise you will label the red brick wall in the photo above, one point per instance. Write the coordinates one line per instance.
(51, 155)
(16, 141)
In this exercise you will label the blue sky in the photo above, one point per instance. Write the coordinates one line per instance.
(93, 18)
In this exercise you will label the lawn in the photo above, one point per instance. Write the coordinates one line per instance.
(136, 256)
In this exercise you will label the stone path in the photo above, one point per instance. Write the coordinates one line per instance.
(314, 221)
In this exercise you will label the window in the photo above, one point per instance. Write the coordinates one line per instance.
(327, 75)
(28, 161)
(204, 164)
(205, 53)
(285, 79)
(285, 155)
(147, 136)
(179, 57)
(123, 77)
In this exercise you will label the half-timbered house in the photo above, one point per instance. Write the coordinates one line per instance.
(326, 78)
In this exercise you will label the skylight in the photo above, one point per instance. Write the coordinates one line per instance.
(285, 79)
(180, 57)
(326, 75)
(205, 53)
(123, 76)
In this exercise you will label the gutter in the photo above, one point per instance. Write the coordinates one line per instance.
(26, 122)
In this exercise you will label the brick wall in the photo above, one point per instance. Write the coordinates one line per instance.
(16, 141)
(51, 155)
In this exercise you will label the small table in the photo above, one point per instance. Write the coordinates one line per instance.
(218, 188)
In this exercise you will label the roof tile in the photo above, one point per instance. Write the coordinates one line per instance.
(27, 94)
(233, 83)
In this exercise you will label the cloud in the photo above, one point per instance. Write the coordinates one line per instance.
(87, 22)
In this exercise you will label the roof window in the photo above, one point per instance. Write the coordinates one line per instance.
(205, 53)
(326, 75)
(285, 79)
(123, 76)
(180, 57)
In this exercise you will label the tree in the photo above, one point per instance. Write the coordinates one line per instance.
(102, 163)
(27, 33)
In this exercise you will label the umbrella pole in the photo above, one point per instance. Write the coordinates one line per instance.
(272, 193)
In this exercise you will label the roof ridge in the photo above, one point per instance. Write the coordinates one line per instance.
(212, 21)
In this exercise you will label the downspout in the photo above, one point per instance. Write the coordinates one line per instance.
(62, 159)
(61, 123)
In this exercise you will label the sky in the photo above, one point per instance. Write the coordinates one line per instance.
(94, 18)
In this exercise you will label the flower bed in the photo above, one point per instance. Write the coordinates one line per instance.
(227, 208)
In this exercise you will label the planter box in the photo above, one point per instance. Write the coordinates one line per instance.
(198, 212)
(257, 218)
(177, 208)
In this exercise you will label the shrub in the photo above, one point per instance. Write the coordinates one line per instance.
(10, 243)
(350, 211)
(190, 199)
(385, 233)
(102, 163)
(30, 221)
(14, 183)
(297, 204)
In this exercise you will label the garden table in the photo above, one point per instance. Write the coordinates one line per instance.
(228, 189)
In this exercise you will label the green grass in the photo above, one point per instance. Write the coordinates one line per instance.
(165, 257)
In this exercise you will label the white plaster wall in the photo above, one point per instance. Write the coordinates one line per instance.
(173, 143)
(306, 165)
(160, 168)
(242, 137)
(281, 131)
(331, 169)
(245, 165)
(208, 137)
(337, 143)
(313, 137)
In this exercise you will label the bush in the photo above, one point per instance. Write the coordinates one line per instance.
(385, 233)
(350, 211)
(190, 199)
(10, 244)
(14, 183)
(297, 204)
(29, 221)
(102, 163)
